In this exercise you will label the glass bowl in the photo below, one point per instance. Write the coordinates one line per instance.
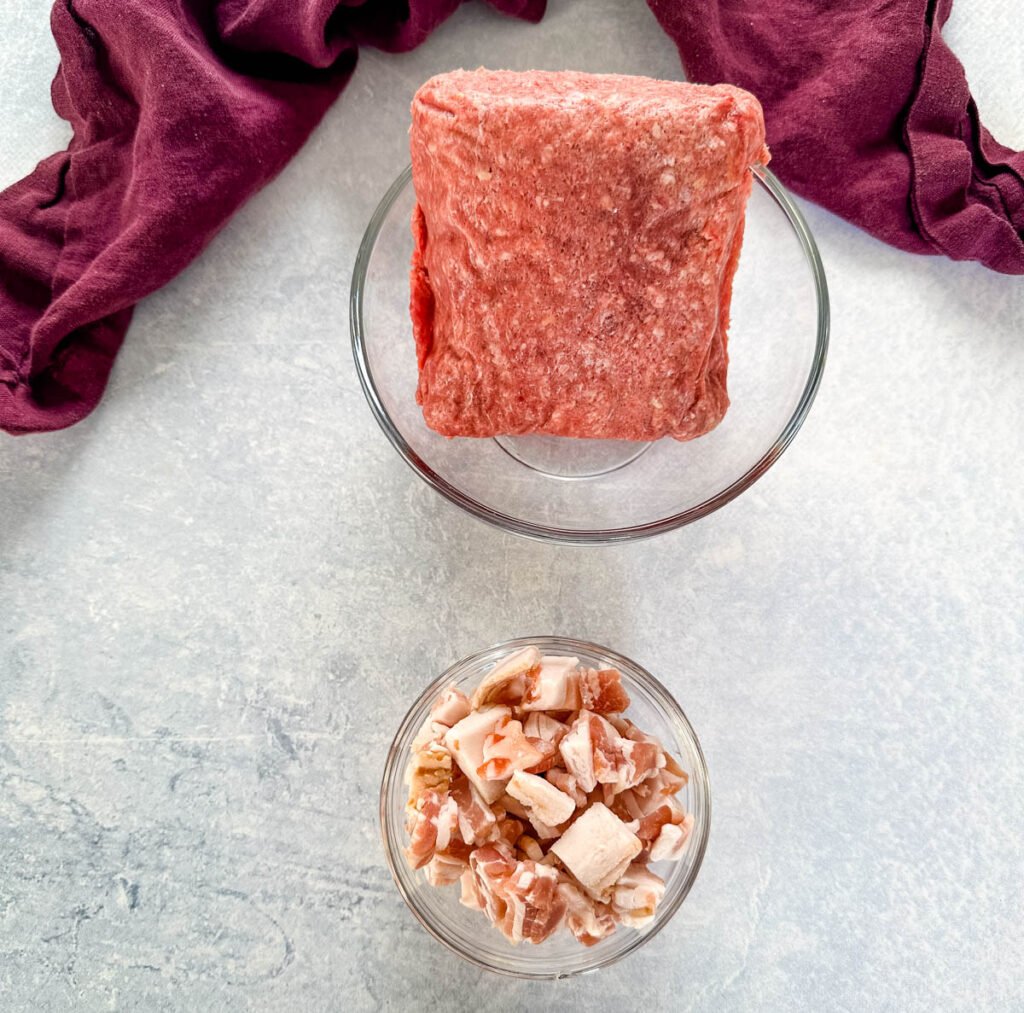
(603, 491)
(468, 933)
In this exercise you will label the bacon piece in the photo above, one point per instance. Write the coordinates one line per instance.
(451, 706)
(630, 731)
(509, 680)
(544, 831)
(457, 850)
(594, 753)
(508, 831)
(555, 686)
(428, 768)
(506, 750)
(602, 691)
(430, 735)
(544, 733)
(588, 920)
(470, 895)
(465, 741)
(597, 849)
(530, 848)
(534, 907)
(492, 864)
(550, 756)
(520, 898)
(476, 820)
(430, 825)
(444, 869)
(658, 788)
(672, 841)
(625, 806)
(577, 752)
(543, 801)
(539, 725)
(564, 781)
(513, 806)
(649, 826)
(620, 762)
(637, 895)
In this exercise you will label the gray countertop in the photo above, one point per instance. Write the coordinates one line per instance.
(219, 593)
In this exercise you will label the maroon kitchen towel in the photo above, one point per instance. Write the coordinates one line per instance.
(868, 114)
(181, 110)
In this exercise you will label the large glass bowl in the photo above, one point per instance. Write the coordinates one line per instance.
(468, 933)
(601, 491)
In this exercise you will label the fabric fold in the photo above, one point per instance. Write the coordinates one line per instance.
(868, 114)
(181, 110)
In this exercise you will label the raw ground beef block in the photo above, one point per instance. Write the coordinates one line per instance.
(576, 237)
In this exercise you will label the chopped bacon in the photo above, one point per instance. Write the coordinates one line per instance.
(588, 920)
(602, 691)
(549, 755)
(509, 831)
(509, 680)
(471, 896)
(430, 735)
(636, 896)
(657, 788)
(672, 841)
(534, 907)
(457, 850)
(543, 801)
(649, 826)
(621, 762)
(578, 752)
(476, 820)
(431, 823)
(539, 725)
(543, 745)
(492, 864)
(521, 898)
(506, 749)
(450, 707)
(444, 869)
(565, 781)
(630, 731)
(428, 768)
(465, 741)
(555, 686)
(625, 806)
(513, 806)
(544, 831)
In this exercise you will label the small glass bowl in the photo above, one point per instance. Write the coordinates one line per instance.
(602, 491)
(468, 933)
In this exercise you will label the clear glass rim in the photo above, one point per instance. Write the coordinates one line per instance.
(597, 536)
(395, 763)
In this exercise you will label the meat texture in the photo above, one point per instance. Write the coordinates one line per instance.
(576, 237)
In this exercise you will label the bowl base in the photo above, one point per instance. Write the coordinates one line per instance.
(562, 457)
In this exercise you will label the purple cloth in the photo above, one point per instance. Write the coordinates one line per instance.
(182, 109)
(868, 113)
